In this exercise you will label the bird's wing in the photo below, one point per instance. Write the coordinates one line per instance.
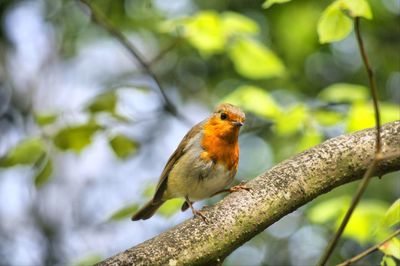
(182, 147)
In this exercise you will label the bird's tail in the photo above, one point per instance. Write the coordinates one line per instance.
(147, 210)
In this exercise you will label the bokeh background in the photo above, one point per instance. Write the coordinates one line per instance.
(85, 131)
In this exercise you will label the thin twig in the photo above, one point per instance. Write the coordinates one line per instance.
(163, 52)
(372, 83)
(102, 21)
(371, 169)
(360, 190)
(369, 251)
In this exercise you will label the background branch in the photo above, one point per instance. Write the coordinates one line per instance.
(371, 169)
(242, 215)
(370, 250)
(101, 20)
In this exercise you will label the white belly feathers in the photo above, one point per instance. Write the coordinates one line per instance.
(196, 178)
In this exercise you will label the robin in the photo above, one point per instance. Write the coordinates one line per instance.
(204, 163)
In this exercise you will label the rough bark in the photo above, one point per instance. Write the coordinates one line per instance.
(284, 188)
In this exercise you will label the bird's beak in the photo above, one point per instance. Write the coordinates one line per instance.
(237, 123)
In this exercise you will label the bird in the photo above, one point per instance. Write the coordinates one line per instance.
(203, 165)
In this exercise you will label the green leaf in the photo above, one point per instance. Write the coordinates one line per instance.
(123, 146)
(333, 25)
(254, 99)
(45, 119)
(292, 120)
(310, 138)
(392, 215)
(327, 117)
(44, 174)
(27, 151)
(388, 261)
(149, 191)
(125, 212)
(344, 93)
(328, 210)
(389, 112)
(89, 260)
(361, 115)
(253, 60)
(170, 207)
(391, 248)
(364, 221)
(356, 8)
(75, 138)
(105, 102)
(235, 23)
(205, 32)
(269, 3)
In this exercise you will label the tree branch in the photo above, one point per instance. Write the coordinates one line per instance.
(281, 190)
(369, 251)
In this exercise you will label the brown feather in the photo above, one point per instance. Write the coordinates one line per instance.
(162, 183)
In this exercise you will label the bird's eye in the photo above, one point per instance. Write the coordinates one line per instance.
(223, 116)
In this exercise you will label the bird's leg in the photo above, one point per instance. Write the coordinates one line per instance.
(194, 211)
(241, 186)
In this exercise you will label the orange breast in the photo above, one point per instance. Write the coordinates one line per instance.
(221, 144)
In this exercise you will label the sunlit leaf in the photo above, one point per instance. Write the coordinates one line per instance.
(328, 210)
(44, 174)
(254, 99)
(205, 32)
(170, 207)
(361, 115)
(75, 138)
(391, 248)
(356, 8)
(253, 60)
(27, 151)
(392, 215)
(89, 260)
(235, 23)
(364, 221)
(269, 3)
(388, 261)
(45, 119)
(327, 118)
(105, 102)
(333, 25)
(292, 120)
(125, 212)
(149, 191)
(310, 138)
(123, 146)
(389, 112)
(344, 93)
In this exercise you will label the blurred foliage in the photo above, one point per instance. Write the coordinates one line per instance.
(28, 151)
(124, 212)
(123, 146)
(75, 137)
(293, 66)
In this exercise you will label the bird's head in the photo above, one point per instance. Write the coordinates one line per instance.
(226, 120)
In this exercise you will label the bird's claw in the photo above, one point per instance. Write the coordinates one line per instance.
(200, 214)
(241, 186)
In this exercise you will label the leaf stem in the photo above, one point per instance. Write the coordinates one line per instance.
(371, 169)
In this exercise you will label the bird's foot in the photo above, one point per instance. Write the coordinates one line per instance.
(241, 186)
(200, 214)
